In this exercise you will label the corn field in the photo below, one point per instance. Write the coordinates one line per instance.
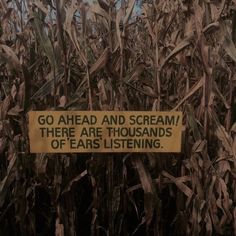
(159, 55)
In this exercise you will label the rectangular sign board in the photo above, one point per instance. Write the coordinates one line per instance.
(104, 131)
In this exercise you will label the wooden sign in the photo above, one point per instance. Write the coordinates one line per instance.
(104, 131)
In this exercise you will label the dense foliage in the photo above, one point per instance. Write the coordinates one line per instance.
(173, 55)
